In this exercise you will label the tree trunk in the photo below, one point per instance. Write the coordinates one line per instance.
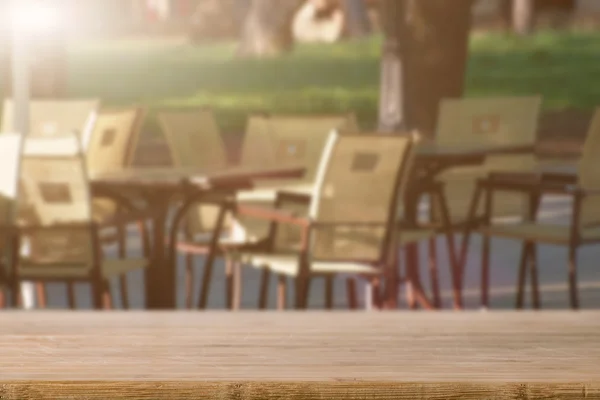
(430, 42)
(523, 16)
(267, 28)
(357, 18)
(392, 91)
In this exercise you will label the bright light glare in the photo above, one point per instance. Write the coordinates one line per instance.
(34, 17)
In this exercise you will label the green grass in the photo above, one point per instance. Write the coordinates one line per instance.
(324, 78)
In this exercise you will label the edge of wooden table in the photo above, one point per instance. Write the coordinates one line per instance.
(244, 390)
(562, 342)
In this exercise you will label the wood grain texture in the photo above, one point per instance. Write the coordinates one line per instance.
(304, 355)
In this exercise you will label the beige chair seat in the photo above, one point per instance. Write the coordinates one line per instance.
(539, 232)
(288, 265)
(110, 268)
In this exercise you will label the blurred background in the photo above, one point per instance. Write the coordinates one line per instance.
(318, 56)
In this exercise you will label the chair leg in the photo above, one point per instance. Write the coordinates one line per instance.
(377, 293)
(485, 271)
(522, 275)
(236, 291)
(107, 301)
(121, 242)
(411, 300)
(329, 280)
(573, 295)
(189, 280)
(302, 290)
(228, 282)
(71, 295)
(264, 288)
(124, 292)
(2, 298)
(97, 293)
(42, 298)
(281, 292)
(15, 291)
(535, 293)
(351, 293)
(144, 238)
(411, 261)
(392, 281)
(210, 258)
(433, 272)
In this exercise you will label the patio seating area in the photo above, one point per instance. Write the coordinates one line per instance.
(315, 206)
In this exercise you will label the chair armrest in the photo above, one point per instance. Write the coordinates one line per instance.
(533, 184)
(578, 190)
(284, 196)
(126, 218)
(274, 215)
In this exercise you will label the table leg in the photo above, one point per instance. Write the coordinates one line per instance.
(161, 275)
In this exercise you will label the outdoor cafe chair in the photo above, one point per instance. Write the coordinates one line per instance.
(49, 117)
(350, 228)
(194, 140)
(58, 236)
(584, 227)
(283, 139)
(484, 122)
(111, 140)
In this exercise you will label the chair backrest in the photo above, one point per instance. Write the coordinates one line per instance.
(193, 138)
(10, 163)
(499, 120)
(286, 139)
(589, 173)
(359, 184)
(54, 191)
(113, 139)
(53, 117)
(487, 121)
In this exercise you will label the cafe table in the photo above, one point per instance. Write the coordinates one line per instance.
(176, 189)
(431, 160)
(299, 355)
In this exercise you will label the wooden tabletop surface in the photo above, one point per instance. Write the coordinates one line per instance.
(324, 355)
(201, 177)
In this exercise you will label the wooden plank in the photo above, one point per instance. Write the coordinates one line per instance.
(303, 355)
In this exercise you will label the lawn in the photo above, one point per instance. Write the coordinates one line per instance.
(562, 67)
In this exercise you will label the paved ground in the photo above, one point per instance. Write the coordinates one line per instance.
(505, 255)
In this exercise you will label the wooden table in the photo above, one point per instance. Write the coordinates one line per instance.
(159, 187)
(299, 355)
(431, 160)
